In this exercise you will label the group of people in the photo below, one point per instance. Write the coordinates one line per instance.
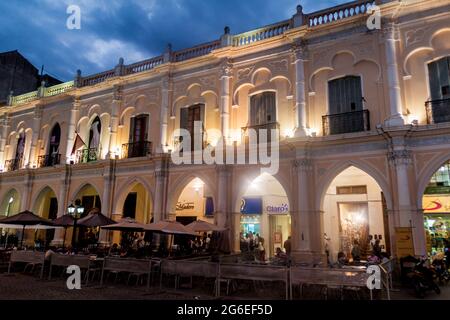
(254, 244)
(375, 255)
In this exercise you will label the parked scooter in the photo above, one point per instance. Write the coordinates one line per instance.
(440, 268)
(423, 278)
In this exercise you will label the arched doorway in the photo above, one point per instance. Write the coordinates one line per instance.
(355, 211)
(46, 206)
(195, 203)
(135, 203)
(265, 212)
(436, 209)
(9, 206)
(89, 198)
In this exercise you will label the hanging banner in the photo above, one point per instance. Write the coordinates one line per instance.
(405, 243)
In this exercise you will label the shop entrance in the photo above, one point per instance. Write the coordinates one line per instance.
(436, 208)
(265, 216)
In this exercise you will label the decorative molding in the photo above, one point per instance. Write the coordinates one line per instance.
(208, 81)
(279, 66)
(414, 36)
(244, 73)
(303, 164)
(226, 69)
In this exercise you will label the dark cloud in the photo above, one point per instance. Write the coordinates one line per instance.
(132, 29)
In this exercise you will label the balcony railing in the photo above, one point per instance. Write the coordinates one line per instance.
(347, 122)
(87, 155)
(136, 149)
(261, 33)
(267, 126)
(13, 164)
(49, 160)
(438, 111)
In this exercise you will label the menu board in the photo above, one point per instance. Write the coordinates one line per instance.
(405, 244)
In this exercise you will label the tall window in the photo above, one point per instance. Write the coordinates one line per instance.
(55, 138)
(345, 95)
(138, 129)
(439, 74)
(94, 133)
(129, 207)
(263, 108)
(188, 117)
(20, 147)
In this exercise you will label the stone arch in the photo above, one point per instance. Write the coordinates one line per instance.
(125, 189)
(94, 110)
(36, 197)
(313, 74)
(259, 70)
(7, 208)
(424, 178)
(181, 183)
(332, 173)
(82, 186)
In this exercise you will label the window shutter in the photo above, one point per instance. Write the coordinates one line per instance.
(132, 126)
(184, 118)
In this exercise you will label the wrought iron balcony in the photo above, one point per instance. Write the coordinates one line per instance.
(438, 111)
(49, 160)
(267, 126)
(136, 149)
(13, 164)
(87, 155)
(347, 122)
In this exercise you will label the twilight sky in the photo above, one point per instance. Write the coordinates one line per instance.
(132, 29)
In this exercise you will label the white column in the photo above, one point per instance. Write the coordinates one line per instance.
(407, 214)
(115, 108)
(222, 209)
(5, 124)
(395, 99)
(160, 200)
(226, 75)
(62, 206)
(300, 92)
(72, 127)
(32, 158)
(165, 105)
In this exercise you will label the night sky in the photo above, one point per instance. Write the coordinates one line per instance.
(132, 29)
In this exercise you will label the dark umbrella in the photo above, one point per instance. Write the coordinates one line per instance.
(64, 221)
(26, 218)
(95, 219)
(126, 225)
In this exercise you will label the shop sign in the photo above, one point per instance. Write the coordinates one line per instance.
(251, 205)
(405, 244)
(436, 204)
(277, 209)
(181, 206)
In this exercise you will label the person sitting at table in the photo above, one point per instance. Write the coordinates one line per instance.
(280, 257)
(114, 250)
(356, 252)
(342, 259)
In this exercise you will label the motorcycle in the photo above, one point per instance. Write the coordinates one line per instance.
(442, 273)
(423, 278)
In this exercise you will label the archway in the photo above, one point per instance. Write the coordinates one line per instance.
(134, 202)
(46, 206)
(355, 211)
(265, 213)
(9, 206)
(89, 198)
(195, 203)
(436, 209)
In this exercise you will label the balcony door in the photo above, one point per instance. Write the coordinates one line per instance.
(263, 109)
(439, 74)
(345, 95)
(52, 157)
(188, 117)
(138, 146)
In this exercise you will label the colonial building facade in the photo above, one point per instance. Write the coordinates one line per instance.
(363, 116)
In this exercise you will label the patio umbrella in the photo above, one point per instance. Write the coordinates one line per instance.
(24, 219)
(64, 221)
(169, 227)
(126, 224)
(95, 219)
(203, 226)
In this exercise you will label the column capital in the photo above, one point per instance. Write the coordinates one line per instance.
(224, 169)
(226, 69)
(38, 111)
(390, 31)
(299, 51)
(76, 103)
(399, 157)
(117, 93)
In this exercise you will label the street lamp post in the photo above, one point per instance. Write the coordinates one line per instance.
(75, 211)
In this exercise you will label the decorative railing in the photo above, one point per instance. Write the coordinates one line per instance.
(261, 34)
(338, 13)
(268, 127)
(87, 155)
(438, 111)
(49, 160)
(97, 78)
(58, 89)
(13, 164)
(347, 122)
(136, 149)
(24, 98)
(197, 51)
(144, 65)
